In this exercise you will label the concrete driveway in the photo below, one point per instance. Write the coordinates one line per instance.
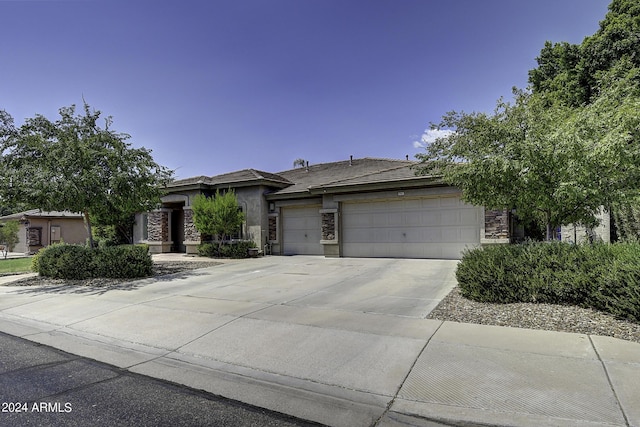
(343, 342)
(330, 340)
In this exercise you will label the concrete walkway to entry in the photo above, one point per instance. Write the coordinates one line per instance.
(343, 342)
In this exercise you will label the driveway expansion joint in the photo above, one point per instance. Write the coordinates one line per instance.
(613, 390)
(393, 399)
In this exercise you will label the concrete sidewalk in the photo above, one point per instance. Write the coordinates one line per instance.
(325, 340)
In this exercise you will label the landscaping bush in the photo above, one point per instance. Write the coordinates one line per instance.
(208, 250)
(235, 249)
(601, 276)
(123, 261)
(62, 261)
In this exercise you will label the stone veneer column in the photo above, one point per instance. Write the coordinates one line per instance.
(192, 237)
(329, 232)
(158, 231)
(496, 226)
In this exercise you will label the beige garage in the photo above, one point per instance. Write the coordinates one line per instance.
(436, 227)
(301, 235)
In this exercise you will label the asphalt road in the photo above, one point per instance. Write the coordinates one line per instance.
(42, 386)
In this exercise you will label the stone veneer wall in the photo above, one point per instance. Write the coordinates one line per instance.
(158, 226)
(496, 224)
(328, 226)
(191, 233)
(273, 228)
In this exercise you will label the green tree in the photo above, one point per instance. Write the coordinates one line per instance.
(579, 75)
(9, 236)
(554, 164)
(218, 216)
(77, 165)
(564, 148)
(573, 72)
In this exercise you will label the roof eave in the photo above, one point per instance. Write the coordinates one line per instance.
(377, 186)
(223, 185)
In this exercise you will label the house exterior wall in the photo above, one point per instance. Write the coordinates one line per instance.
(580, 234)
(51, 230)
(255, 209)
(21, 246)
(267, 211)
(155, 227)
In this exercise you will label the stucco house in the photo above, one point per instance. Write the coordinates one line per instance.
(364, 207)
(39, 229)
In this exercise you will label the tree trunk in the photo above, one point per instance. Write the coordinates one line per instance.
(87, 224)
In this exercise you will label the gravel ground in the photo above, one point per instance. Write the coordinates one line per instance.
(454, 307)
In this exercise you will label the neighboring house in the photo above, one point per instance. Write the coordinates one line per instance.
(354, 208)
(39, 229)
(579, 234)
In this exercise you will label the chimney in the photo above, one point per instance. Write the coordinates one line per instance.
(351, 160)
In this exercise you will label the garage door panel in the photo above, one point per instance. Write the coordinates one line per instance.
(430, 219)
(450, 217)
(302, 231)
(410, 228)
(468, 215)
(380, 220)
(432, 235)
(469, 234)
(453, 202)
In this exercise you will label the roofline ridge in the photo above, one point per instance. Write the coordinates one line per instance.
(359, 176)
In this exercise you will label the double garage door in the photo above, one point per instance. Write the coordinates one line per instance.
(436, 227)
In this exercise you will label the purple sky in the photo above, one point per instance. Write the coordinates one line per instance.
(215, 86)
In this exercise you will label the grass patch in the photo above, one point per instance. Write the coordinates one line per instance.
(15, 265)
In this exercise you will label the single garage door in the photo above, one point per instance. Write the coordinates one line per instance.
(301, 230)
(438, 227)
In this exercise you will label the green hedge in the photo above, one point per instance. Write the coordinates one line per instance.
(601, 276)
(239, 249)
(62, 261)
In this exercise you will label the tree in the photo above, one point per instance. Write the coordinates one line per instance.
(218, 216)
(77, 165)
(565, 147)
(573, 72)
(554, 164)
(579, 75)
(9, 236)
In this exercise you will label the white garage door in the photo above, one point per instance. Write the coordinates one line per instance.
(301, 230)
(439, 227)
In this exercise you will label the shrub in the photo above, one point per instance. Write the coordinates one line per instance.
(601, 276)
(235, 249)
(123, 261)
(62, 261)
(208, 250)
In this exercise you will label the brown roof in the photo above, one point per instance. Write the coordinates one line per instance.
(245, 176)
(348, 172)
(314, 178)
(37, 213)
